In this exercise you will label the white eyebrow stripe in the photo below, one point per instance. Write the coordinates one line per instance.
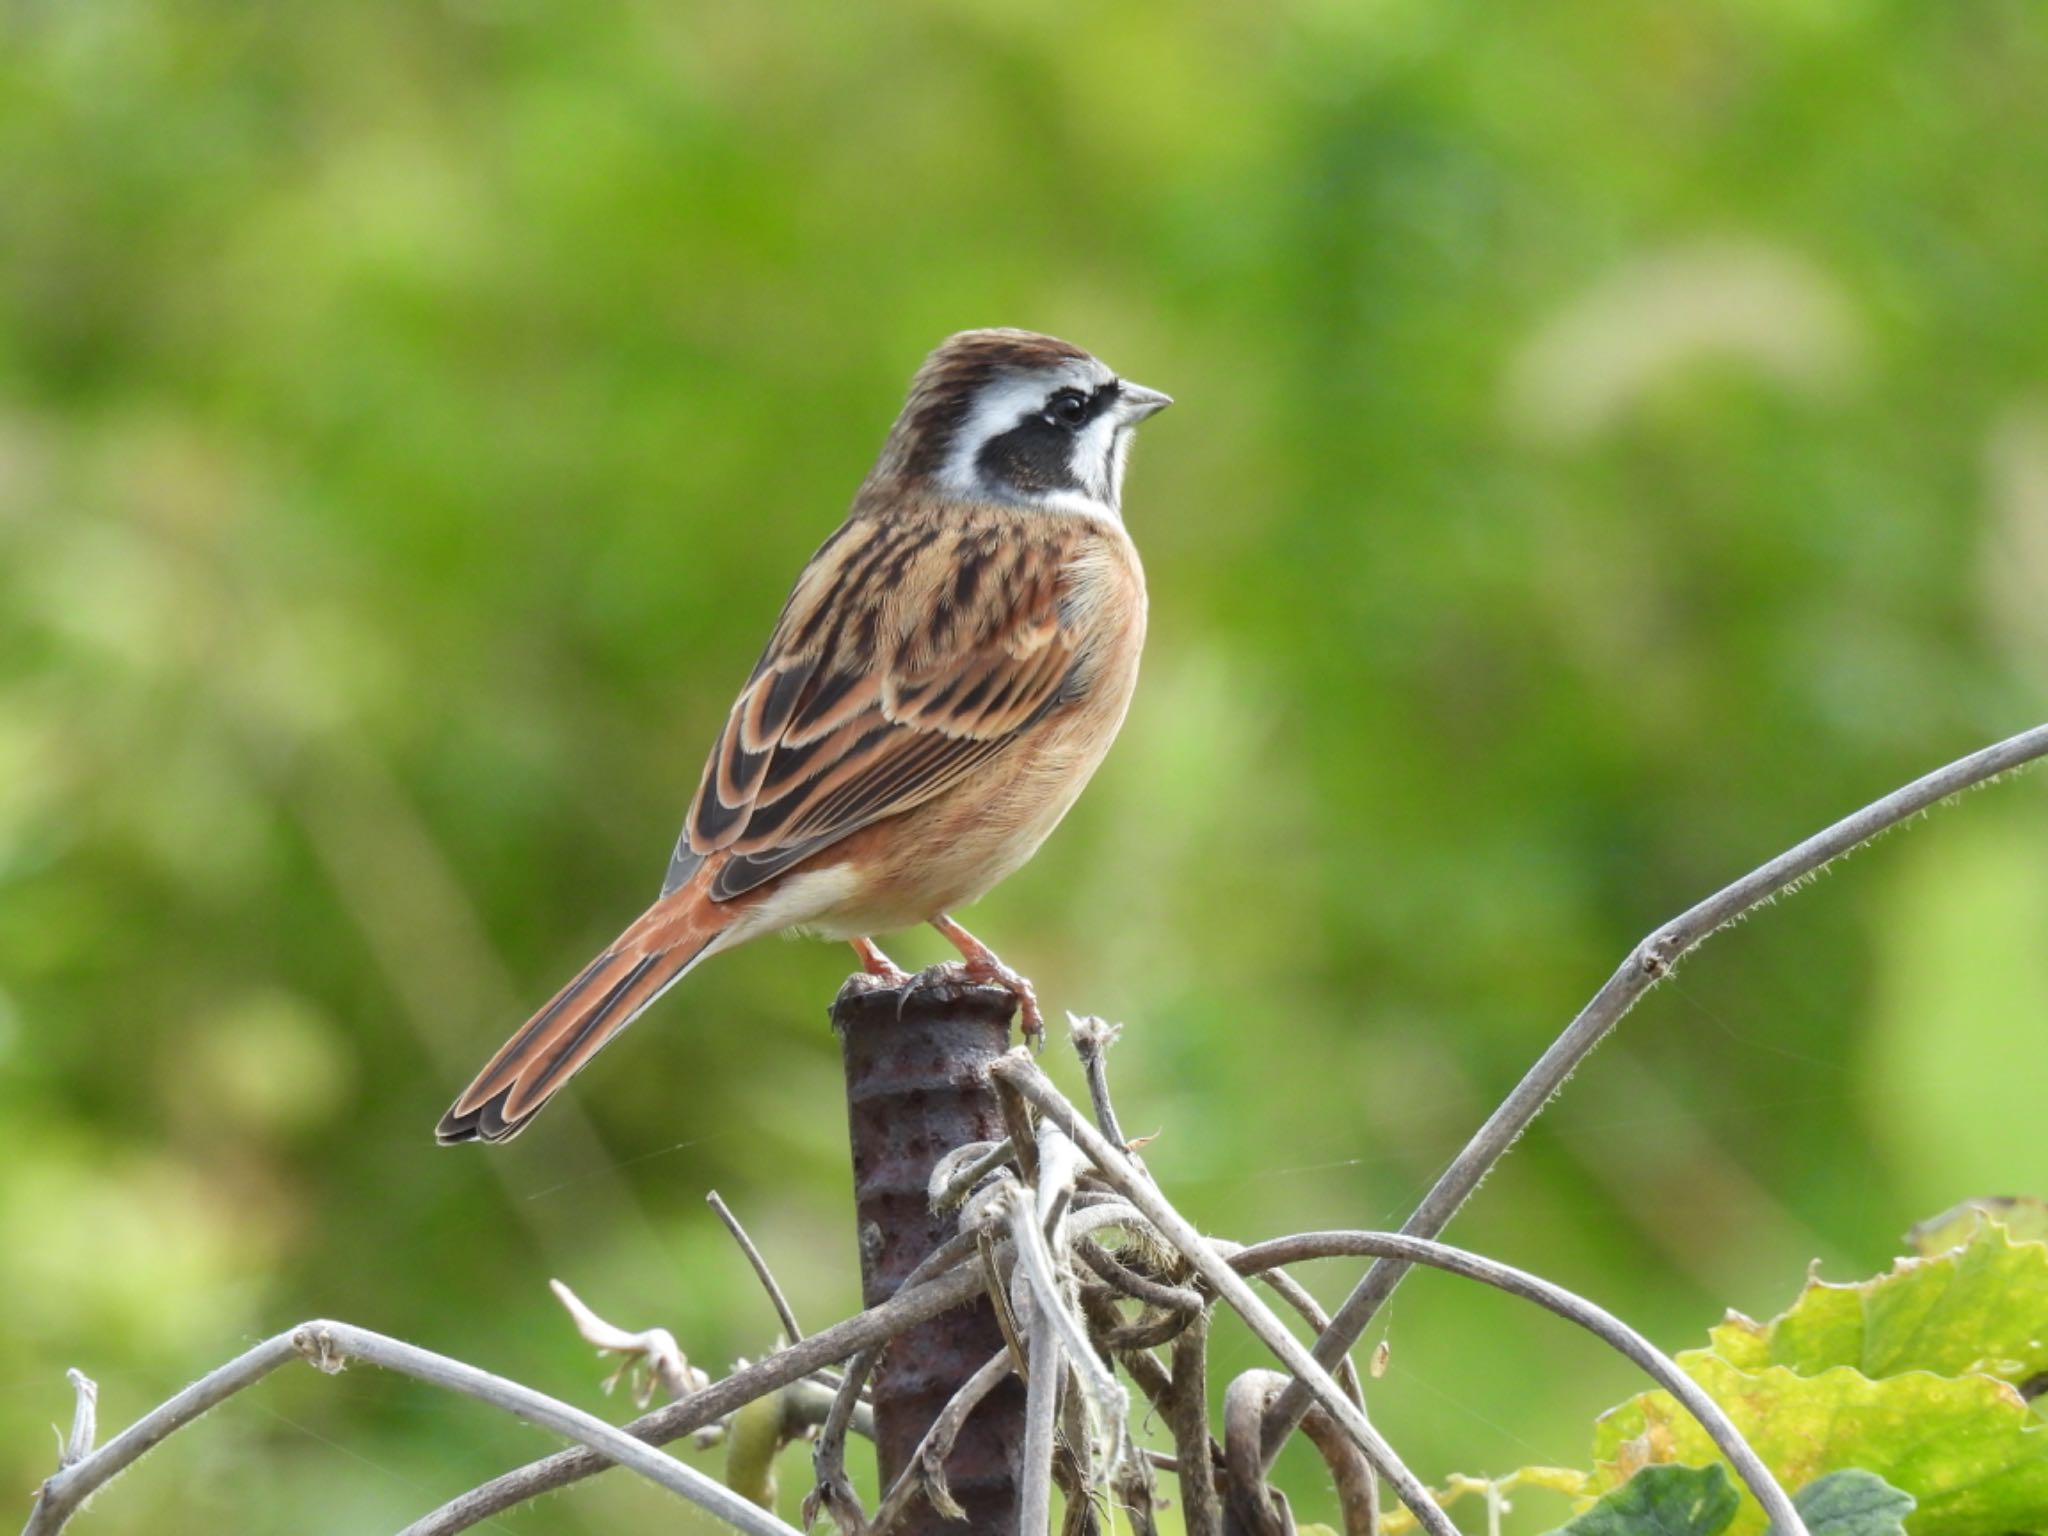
(1004, 403)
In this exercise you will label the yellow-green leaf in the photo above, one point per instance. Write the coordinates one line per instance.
(1982, 1306)
(2025, 1217)
(1965, 1448)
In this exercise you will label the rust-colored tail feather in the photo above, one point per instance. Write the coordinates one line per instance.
(553, 1045)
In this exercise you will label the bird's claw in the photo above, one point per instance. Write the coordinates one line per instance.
(1029, 1018)
(973, 973)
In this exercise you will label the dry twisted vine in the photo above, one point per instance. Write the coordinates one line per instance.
(1647, 964)
(1057, 1183)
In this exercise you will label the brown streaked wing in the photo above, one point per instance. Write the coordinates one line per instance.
(910, 654)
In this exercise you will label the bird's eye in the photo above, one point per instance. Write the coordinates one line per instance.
(1068, 408)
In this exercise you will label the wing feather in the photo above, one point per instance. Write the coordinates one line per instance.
(910, 653)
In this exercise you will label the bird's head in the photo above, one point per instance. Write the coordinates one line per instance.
(1013, 416)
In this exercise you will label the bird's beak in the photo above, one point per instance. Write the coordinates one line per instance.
(1134, 402)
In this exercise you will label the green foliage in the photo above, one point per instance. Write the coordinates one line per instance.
(1853, 1503)
(1980, 1307)
(1701, 1501)
(1965, 1448)
(1888, 1400)
(1662, 1501)
(2024, 1219)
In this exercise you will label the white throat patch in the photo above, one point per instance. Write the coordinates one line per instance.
(1098, 454)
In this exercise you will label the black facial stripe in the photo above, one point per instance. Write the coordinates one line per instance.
(1032, 456)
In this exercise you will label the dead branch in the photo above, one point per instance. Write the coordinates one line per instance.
(926, 1475)
(1186, 1408)
(329, 1346)
(948, 1287)
(1647, 964)
(1021, 1075)
(776, 1299)
(1566, 1304)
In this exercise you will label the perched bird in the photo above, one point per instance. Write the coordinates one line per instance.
(946, 675)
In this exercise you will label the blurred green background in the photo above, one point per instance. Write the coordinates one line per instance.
(1613, 441)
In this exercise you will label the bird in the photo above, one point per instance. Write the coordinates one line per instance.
(943, 680)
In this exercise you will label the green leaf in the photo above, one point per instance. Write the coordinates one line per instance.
(1853, 1503)
(1662, 1501)
(1966, 1449)
(1982, 1306)
(2022, 1215)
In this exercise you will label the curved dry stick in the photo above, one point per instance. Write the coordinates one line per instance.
(955, 1175)
(1186, 1410)
(832, 1489)
(1252, 1504)
(1018, 1073)
(1262, 1511)
(328, 1346)
(1647, 964)
(1092, 1038)
(1181, 1299)
(1358, 1497)
(1296, 1295)
(1137, 1496)
(926, 1475)
(1568, 1305)
(1146, 1373)
(790, 1331)
(1046, 1370)
(65, 1490)
(908, 1307)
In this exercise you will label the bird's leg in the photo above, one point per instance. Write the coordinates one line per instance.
(875, 963)
(982, 965)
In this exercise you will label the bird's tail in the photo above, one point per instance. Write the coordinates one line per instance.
(651, 956)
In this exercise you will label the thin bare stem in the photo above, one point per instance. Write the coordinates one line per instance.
(1041, 1406)
(1147, 1374)
(84, 1418)
(833, 1490)
(1186, 1409)
(1296, 1295)
(926, 1475)
(1092, 1039)
(956, 1174)
(1038, 1272)
(1021, 1075)
(1135, 1494)
(62, 1493)
(776, 1299)
(1071, 1469)
(1181, 1299)
(1646, 965)
(1357, 1489)
(1261, 1510)
(952, 1285)
(329, 1346)
(1566, 1304)
(1257, 1510)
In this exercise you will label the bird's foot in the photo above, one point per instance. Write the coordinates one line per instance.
(980, 964)
(1029, 1018)
(965, 973)
(878, 965)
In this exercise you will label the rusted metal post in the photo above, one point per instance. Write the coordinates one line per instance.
(916, 1088)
